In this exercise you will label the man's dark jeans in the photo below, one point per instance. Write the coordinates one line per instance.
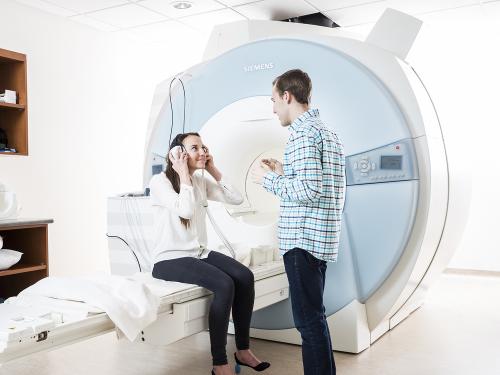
(306, 276)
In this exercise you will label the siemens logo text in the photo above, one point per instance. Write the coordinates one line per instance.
(254, 67)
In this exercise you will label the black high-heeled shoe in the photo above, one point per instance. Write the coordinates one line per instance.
(260, 367)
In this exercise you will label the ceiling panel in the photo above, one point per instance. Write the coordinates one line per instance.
(89, 21)
(164, 31)
(454, 21)
(358, 14)
(325, 5)
(127, 16)
(165, 7)
(83, 6)
(275, 9)
(47, 7)
(110, 15)
(426, 6)
(237, 2)
(205, 22)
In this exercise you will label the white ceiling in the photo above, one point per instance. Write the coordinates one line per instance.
(157, 20)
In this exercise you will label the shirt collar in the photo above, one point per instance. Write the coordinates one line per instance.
(303, 117)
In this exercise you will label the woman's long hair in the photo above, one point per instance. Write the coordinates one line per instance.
(171, 174)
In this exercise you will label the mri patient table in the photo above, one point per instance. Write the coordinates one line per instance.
(183, 312)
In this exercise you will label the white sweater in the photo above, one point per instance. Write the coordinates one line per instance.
(173, 239)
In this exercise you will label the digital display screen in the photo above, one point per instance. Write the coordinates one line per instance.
(391, 162)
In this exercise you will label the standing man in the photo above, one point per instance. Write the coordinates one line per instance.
(311, 187)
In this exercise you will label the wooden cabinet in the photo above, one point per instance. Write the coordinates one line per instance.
(31, 238)
(14, 117)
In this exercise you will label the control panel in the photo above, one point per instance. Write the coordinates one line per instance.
(394, 162)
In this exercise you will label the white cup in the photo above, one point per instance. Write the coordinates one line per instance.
(8, 205)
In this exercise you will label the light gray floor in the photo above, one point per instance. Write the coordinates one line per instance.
(456, 332)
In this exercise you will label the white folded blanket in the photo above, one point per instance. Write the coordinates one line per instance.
(38, 306)
(129, 304)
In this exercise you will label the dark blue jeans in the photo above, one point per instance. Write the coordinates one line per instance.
(306, 276)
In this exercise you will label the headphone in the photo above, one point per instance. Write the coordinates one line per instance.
(176, 152)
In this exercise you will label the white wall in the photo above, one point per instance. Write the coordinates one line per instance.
(457, 56)
(89, 95)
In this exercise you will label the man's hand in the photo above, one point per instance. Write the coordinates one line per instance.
(275, 165)
(259, 171)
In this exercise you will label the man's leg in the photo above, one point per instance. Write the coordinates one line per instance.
(306, 276)
(334, 369)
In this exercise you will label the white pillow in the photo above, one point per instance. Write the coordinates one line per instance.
(8, 258)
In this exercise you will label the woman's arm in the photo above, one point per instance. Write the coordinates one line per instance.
(221, 191)
(163, 194)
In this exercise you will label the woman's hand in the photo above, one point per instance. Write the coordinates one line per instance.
(210, 166)
(180, 165)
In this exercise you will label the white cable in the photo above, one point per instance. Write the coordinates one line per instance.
(217, 230)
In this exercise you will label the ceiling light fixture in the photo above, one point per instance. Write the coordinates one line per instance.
(181, 4)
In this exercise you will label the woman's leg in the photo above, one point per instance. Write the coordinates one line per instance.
(195, 271)
(244, 295)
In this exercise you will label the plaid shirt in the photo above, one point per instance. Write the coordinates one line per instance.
(312, 188)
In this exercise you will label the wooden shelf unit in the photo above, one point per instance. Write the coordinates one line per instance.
(12, 106)
(22, 268)
(30, 238)
(14, 117)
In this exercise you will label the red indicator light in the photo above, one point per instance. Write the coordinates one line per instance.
(397, 147)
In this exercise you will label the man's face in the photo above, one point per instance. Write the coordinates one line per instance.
(281, 106)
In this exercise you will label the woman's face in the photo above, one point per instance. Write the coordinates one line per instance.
(197, 152)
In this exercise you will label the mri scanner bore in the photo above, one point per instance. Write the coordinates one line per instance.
(394, 229)
(397, 185)
(403, 207)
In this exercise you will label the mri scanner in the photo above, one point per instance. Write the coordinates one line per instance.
(402, 215)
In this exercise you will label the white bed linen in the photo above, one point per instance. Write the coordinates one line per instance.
(130, 304)
(70, 311)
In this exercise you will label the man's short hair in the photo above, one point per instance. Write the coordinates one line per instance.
(297, 83)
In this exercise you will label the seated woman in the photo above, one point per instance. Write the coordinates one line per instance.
(179, 201)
